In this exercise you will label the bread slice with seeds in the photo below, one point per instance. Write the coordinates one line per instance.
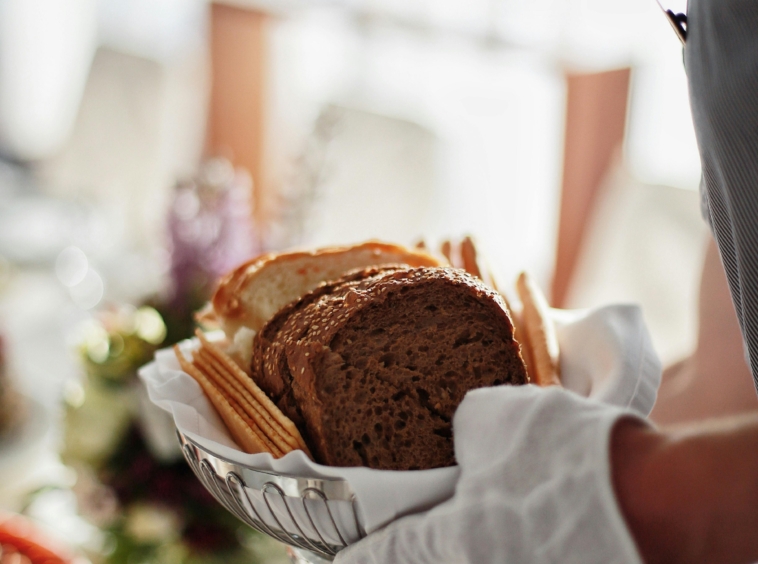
(269, 363)
(378, 364)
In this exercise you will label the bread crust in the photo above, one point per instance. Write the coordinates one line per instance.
(253, 292)
(269, 365)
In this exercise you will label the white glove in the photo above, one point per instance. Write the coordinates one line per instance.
(535, 487)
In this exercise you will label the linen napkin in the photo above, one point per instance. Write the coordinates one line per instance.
(535, 486)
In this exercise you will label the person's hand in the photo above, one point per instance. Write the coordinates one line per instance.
(535, 486)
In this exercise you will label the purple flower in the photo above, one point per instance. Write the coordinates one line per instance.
(211, 228)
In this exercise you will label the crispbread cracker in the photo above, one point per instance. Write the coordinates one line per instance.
(268, 423)
(540, 333)
(278, 420)
(226, 380)
(253, 420)
(245, 436)
(270, 446)
(215, 374)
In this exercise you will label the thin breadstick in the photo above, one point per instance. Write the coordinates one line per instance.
(468, 256)
(446, 250)
(493, 284)
(518, 327)
(489, 278)
(245, 437)
(540, 332)
(519, 333)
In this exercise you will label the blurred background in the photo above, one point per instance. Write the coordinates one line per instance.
(146, 147)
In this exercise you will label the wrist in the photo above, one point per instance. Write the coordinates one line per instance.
(649, 493)
(689, 498)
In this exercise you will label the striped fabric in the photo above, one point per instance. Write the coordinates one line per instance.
(721, 58)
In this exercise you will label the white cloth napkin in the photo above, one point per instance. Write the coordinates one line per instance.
(534, 488)
(606, 355)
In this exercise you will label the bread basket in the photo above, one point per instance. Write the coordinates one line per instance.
(606, 354)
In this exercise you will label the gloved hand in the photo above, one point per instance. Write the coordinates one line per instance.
(534, 487)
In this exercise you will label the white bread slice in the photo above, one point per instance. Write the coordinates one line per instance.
(251, 294)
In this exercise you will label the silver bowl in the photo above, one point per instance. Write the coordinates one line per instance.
(316, 517)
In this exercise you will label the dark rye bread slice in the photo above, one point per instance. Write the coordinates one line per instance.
(379, 364)
(269, 363)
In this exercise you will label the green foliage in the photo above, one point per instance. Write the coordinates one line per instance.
(164, 514)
